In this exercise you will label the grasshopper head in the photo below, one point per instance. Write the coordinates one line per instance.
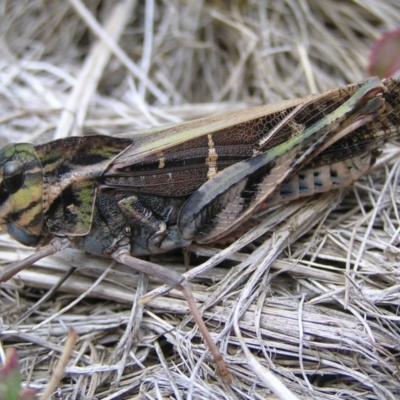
(21, 190)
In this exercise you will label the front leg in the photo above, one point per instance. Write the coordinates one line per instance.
(56, 245)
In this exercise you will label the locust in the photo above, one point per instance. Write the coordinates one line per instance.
(149, 192)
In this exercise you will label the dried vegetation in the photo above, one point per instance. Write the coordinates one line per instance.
(309, 297)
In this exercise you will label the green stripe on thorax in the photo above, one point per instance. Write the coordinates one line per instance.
(71, 169)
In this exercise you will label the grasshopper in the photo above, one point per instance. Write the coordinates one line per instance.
(153, 191)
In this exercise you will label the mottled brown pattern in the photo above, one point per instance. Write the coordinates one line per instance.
(179, 174)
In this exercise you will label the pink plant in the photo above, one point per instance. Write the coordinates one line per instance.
(384, 59)
(10, 379)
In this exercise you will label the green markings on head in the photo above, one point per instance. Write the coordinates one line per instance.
(21, 190)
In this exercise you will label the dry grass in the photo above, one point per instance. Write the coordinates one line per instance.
(313, 296)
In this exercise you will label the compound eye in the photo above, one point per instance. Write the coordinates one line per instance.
(13, 176)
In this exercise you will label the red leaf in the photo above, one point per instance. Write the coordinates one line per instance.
(385, 56)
